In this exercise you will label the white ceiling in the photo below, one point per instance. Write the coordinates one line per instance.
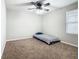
(61, 3)
(55, 3)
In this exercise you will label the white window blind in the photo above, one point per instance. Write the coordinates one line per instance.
(72, 22)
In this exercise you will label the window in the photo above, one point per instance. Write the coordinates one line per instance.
(72, 22)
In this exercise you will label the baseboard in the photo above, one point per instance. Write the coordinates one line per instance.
(3, 50)
(69, 43)
(20, 38)
(31, 37)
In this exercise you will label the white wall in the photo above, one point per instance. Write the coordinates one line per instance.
(54, 24)
(3, 26)
(22, 24)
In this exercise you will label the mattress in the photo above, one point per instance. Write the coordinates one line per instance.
(47, 38)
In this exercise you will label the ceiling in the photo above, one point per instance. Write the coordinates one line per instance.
(54, 3)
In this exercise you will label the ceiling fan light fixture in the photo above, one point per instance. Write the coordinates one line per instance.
(40, 11)
(38, 6)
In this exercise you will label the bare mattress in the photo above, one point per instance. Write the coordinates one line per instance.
(46, 38)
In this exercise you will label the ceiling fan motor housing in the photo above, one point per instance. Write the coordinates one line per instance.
(38, 5)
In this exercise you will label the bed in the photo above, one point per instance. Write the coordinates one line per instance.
(46, 38)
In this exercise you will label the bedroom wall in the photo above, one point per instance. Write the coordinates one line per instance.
(54, 24)
(3, 26)
(22, 24)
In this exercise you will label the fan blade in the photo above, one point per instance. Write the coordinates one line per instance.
(41, 0)
(31, 8)
(46, 9)
(47, 4)
(26, 4)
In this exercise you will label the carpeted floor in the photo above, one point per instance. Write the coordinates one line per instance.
(34, 49)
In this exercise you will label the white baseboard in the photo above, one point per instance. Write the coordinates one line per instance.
(20, 38)
(3, 49)
(69, 44)
(31, 37)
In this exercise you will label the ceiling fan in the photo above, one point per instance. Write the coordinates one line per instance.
(38, 5)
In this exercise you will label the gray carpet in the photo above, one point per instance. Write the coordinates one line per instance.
(34, 49)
